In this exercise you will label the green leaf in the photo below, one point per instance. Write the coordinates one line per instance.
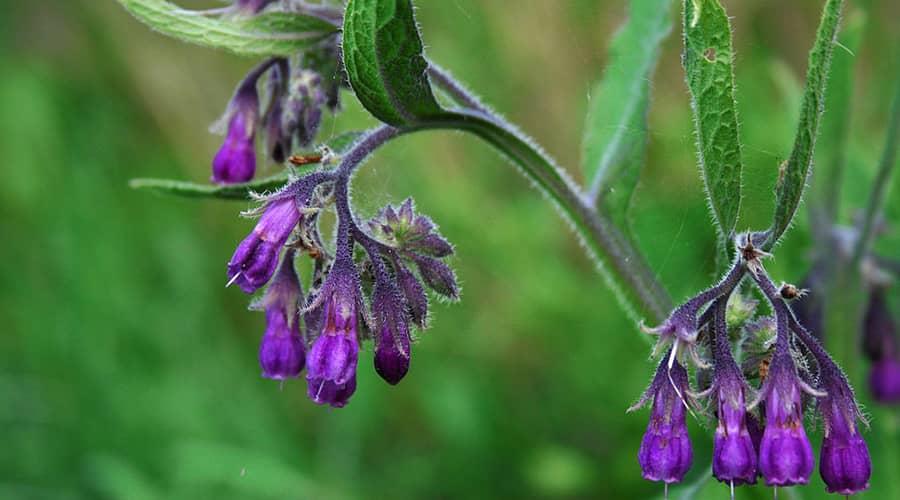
(793, 173)
(269, 33)
(708, 59)
(196, 190)
(384, 61)
(615, 133)
(338, 145)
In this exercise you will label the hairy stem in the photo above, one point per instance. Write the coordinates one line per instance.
(605, 242)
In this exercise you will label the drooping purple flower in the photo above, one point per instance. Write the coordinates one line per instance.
(281, 352)
(884, 380)
(256, 258)
(734, 455)
(665, 453)
(331, 364)
(844, 461)
(236, 160)
(252, 6)
(392, 342)
(785, 453)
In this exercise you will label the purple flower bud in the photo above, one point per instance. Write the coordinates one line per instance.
(438, 276)
(785, 454)
(844, 460)
(665, 453)
(884, 380)
(416, 300)
(879, 329)
(236, 160)
(392, 342)
(281, 352)
(252, 6)
(256, 258)
(331, 364)
(734, 456)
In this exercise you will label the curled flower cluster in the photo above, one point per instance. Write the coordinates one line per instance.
(403, 255)
(296, 91)
(794, 371)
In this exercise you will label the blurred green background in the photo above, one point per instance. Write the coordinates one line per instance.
(127, 370)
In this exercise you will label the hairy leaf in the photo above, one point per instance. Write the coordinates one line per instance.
(197, 190)
(708, 59)
(268, 33)
(384, 61)
(242, 191)
(792, 174)
(615, 132)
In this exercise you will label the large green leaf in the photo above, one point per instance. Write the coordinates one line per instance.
(243, 191)
(269, 33)
(708, 59)
(197, 190)
(615, 132)
(793, 173)
(384, 61)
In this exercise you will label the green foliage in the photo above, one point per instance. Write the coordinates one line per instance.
(187, 189)
(129, 370)
(792, 174)
(386, 67)
(708, 59)
(269, 33)
(615, 132)
(384, 61)
(242, 191)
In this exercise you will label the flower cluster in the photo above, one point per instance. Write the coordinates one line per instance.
(325, 330)
(295, 93)
(793, 370)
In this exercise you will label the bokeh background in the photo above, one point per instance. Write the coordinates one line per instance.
(128, 370)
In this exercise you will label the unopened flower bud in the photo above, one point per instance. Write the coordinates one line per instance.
(236, 160)
(392, 342)
(281, 352)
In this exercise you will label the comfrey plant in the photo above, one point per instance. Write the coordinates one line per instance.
(759, 369)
